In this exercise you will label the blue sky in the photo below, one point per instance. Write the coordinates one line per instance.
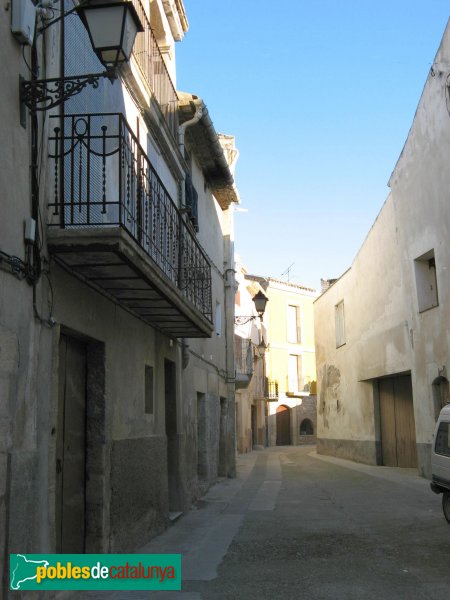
(320, 96)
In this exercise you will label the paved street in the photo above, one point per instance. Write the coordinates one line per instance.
(295, 525)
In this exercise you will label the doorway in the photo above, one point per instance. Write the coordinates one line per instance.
(70, 513)
(398, 431)
(222, 465)
(170, 396)
(202, 457)
(254, 426)
(441, 394)
(283, 426)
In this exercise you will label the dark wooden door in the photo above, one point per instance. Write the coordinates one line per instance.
(398, 432)
(254, 426)
(170, 394)
(283, 426)
(71, 447)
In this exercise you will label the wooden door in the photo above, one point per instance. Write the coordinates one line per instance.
(398, 432)
(283, 426)
(254, 426)
(71, 447)
(170, 395)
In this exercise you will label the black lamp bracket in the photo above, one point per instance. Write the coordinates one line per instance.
(44, 94)
(243, 320)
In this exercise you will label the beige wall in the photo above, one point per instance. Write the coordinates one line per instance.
(385, 332)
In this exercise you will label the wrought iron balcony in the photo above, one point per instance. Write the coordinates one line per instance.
(113, 223)
(243, 352)
(243, 359)
(153, 68)
(271, 390)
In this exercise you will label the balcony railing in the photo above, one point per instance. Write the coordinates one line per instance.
(151, 62)
(243, 353)
(103, 178)
(271, 390)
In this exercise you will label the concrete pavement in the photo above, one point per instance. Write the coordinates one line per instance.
(297, 525)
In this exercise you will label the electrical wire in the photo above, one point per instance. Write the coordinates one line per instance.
(25, 60)
(17, 265)
(49, 321)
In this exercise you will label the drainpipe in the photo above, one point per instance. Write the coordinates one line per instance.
(230, 294)
(181, 133)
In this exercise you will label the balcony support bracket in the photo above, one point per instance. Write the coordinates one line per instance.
(44, 94)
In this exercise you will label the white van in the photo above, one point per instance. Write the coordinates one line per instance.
(440, 460)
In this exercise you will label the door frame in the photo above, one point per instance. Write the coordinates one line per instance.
(279, 411)
(98, 442)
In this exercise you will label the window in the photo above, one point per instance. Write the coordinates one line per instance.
(426, 283)
(340, 324)
(294, 373)
(148, 390)
(191, 198)
(293, 324)
(442, 445)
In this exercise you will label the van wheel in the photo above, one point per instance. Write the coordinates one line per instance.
(446, 505)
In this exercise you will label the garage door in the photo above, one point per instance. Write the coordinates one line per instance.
(398, 431)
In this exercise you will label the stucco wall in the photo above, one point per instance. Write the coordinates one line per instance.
(24, 344)
(384, 330)
(421, 189)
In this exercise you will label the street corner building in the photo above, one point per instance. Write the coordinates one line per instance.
(381, 330)
(116, 287)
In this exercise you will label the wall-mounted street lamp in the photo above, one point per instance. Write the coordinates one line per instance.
(112, 28)
(260, 301)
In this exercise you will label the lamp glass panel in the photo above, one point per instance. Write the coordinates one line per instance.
(105, 26)
(129, 35)
(110, 56)
(260, 303)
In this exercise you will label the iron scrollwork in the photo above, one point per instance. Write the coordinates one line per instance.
(44, 94)
(241, 320)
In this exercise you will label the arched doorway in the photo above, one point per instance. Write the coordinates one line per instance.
(441, 394)
(283, 426)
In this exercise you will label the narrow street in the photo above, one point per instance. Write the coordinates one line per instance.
(295, 525)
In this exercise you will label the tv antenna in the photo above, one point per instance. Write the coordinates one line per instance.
(287, 272)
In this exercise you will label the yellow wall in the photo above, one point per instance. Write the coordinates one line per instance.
(281, 295)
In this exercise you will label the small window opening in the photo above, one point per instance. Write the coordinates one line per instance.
(306, 427)
(426, 281)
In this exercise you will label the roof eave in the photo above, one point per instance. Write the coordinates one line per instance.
(203, 138)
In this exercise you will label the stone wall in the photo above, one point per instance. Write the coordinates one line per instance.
(306, 410)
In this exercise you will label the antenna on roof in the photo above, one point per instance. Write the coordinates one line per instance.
(288, 271)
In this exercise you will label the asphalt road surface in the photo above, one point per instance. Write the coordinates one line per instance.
(295, 525)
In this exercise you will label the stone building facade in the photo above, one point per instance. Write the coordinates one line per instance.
(250, 348)
(116, 296)
(290, 366)
(382, 339)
